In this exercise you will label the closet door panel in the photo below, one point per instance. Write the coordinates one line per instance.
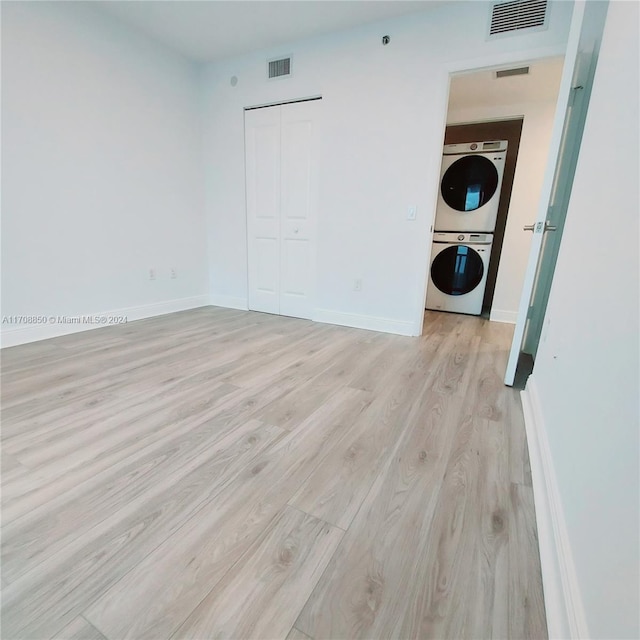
(299, 190)
(262, 157)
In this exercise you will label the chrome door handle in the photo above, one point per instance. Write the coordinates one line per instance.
(547, 227)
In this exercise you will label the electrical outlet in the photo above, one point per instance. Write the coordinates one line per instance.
(152, 274)
(174, 273)
(357, 285)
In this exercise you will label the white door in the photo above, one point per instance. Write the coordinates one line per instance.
(575, 88)
(281, 164)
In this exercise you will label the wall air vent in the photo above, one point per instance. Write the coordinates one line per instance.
(516, 15)
(279, 68)
(507, 73)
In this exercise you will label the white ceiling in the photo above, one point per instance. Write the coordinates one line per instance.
(207, 30)
(482, 88)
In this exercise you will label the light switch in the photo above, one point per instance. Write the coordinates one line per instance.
(411, 213)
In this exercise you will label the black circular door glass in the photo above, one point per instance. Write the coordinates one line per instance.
(469, 183)
(457, 270)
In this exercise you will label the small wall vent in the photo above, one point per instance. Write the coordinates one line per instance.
(516, 15)
(279, 68)
(507, 73)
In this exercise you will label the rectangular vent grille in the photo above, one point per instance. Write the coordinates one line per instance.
(506, 73)
(516, 15)
(278, 68)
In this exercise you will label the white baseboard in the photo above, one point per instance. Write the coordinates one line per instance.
(373, 323)
(33, 333)
(355, 320)
(500, 315)
(563, 602)
(230, 302)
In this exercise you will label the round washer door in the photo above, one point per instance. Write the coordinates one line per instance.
(457, 270)
(469, 183)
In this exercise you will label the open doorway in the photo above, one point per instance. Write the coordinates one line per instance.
(517, 107)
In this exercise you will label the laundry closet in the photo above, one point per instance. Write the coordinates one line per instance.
(493, 161)
(469, 194)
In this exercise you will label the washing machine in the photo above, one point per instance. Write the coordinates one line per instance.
(458, 273)
(470, 184)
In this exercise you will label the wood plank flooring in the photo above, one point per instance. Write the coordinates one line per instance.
(225, 474)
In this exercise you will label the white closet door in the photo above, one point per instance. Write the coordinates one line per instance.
(299, 189)
(281, 164)
(262, 155)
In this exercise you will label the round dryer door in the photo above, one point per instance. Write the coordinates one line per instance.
(469, 183)
(457, 270)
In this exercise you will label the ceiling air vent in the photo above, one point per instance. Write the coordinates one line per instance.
(506, 73)
(516, 15)
(280, 67)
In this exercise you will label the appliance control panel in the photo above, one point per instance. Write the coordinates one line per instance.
(451, 237)
(475, 147)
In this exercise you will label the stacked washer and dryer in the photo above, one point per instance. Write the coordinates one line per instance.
(468, 199)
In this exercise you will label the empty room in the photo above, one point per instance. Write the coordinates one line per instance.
(320, 319)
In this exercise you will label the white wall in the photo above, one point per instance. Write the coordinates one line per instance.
(384, 111)
(538, 109)
(586, 373)
(102, 169)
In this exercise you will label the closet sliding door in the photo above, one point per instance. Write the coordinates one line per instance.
(281, 147)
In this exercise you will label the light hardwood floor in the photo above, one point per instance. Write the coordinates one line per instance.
(226, 474)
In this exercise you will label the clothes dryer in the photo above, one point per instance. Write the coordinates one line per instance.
(470, 184)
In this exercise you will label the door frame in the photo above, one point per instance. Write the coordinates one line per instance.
(463, 67)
